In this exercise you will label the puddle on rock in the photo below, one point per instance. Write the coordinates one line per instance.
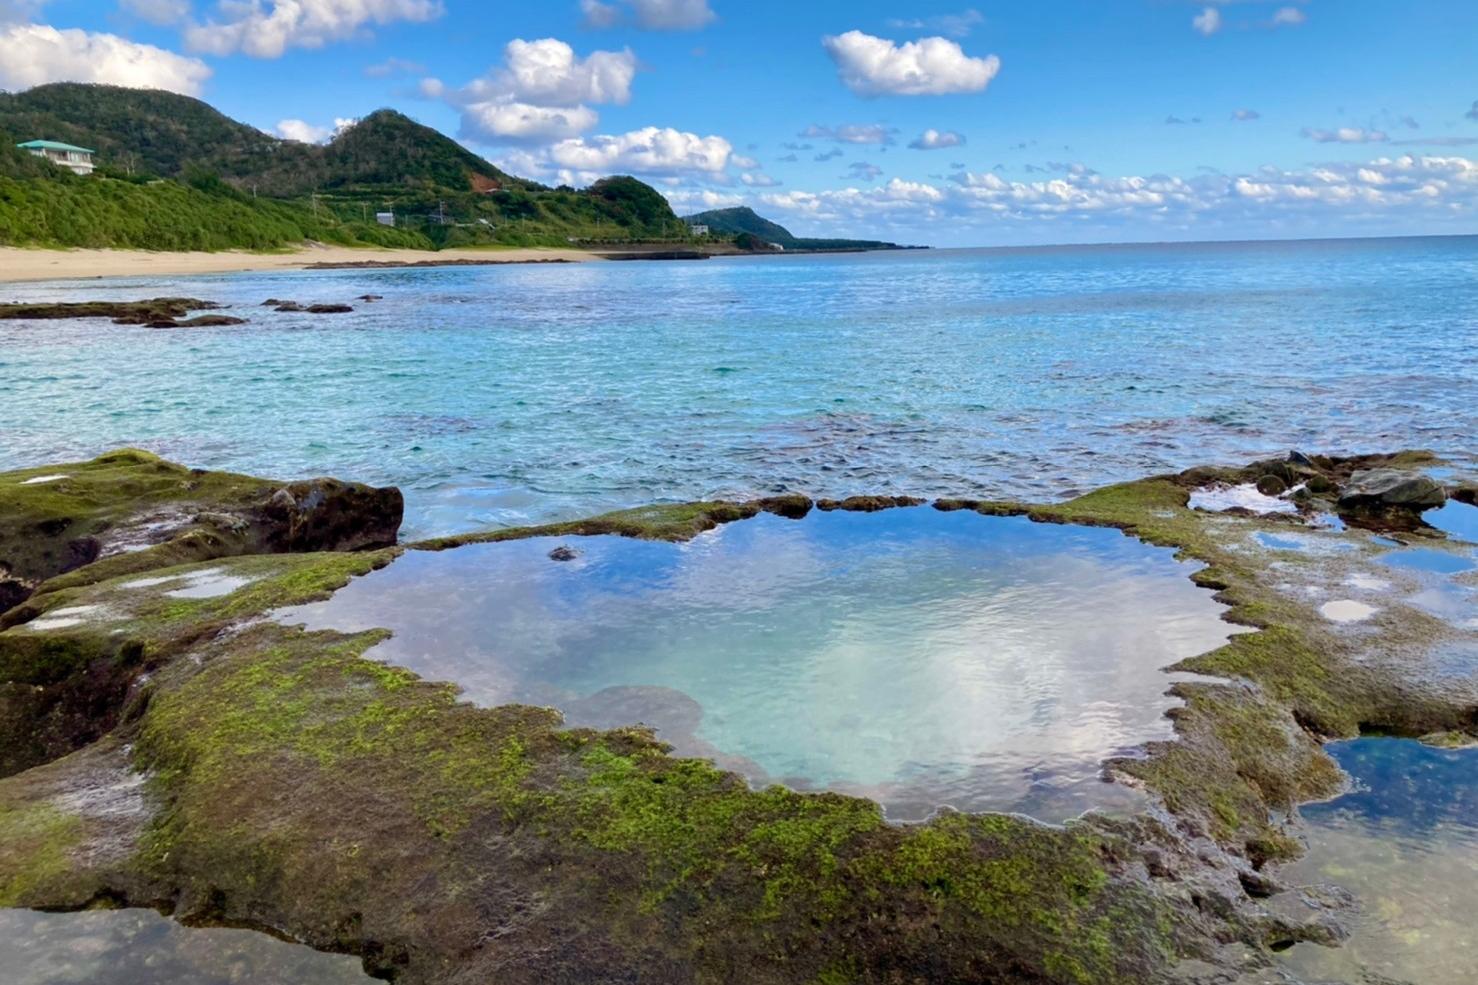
(916, 657)
(140, 947)
(1430, 561)
(1456, 520)
(1219, 499)
(208, 583)
(1347, 610)
(1405, 842)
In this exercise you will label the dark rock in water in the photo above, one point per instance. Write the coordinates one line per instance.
(1392, 488)
(791, 506)
(274, 302)
(1271, 485)
(199, 321)
(314, 309)
(368, 298)
(1296, 457)
(563, 553)
(122, 312)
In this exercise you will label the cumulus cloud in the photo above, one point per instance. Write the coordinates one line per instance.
(267, 28)
(1346, 135)
(850, 133)
(648, 151)
(159, 11)
(1207, 22)
(865, 171)
(1244, 115)
(932, 139)
(1288, 17)
(757, 180)
(1376, 192)
(872, 66)
(306, 133)
(34, 54)
(540, 92)
(651, 15)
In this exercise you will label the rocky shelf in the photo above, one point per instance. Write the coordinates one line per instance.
(166, 746)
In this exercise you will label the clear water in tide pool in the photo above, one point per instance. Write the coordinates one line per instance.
(1405, 842)
(520, 394)
(140, 947)
(916, 657)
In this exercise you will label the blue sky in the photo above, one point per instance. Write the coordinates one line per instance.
(927, 122)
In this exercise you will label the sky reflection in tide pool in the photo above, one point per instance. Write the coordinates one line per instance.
(507, 395)
(140, 947)
(1405, 842)
(1457, 520)
(918, 657)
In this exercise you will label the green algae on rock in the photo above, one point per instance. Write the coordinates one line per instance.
(286, 782)
(132, 511)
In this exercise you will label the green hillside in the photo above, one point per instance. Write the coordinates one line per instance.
(744, 220)
(441, 193)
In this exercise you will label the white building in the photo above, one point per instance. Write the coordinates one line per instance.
(78, 159)
(699, 229)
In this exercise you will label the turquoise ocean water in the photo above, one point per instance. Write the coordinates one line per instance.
(504, 395)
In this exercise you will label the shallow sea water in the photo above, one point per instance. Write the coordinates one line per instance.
(513, 394)
(916, 657)
(140, 947)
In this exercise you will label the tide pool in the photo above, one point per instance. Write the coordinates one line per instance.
(919, 658)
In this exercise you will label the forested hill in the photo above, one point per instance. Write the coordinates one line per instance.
(744, 221)
(183, 150)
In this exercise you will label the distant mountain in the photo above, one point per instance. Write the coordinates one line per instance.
(744, 220)
(437, 189)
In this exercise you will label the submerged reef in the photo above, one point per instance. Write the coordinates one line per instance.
(167, 746)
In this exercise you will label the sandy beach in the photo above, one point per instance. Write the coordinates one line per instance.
(19, 264)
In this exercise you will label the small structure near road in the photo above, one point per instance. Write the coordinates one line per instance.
(78, 159)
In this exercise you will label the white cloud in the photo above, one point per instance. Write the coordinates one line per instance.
(686, 201)
(1207, 22)
(649, 151)
(652, 15)
(1244, 115)
(865, 171)
(851, 133)
(267, 28)
(932, 139)
(549, 73)
(1289, 17)
(306, 133)
(34, 54)
(525, 122)
(159, 11)
(955, 25)
(540, 92)
(393, 66)
(756, 180)
(872, 66)
(1374, 194)
(1346, 135)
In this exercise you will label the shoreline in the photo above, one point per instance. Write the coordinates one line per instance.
(26, 264)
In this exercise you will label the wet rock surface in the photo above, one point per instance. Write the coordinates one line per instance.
(154, 311)
(292, 785)
(1392, 488)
